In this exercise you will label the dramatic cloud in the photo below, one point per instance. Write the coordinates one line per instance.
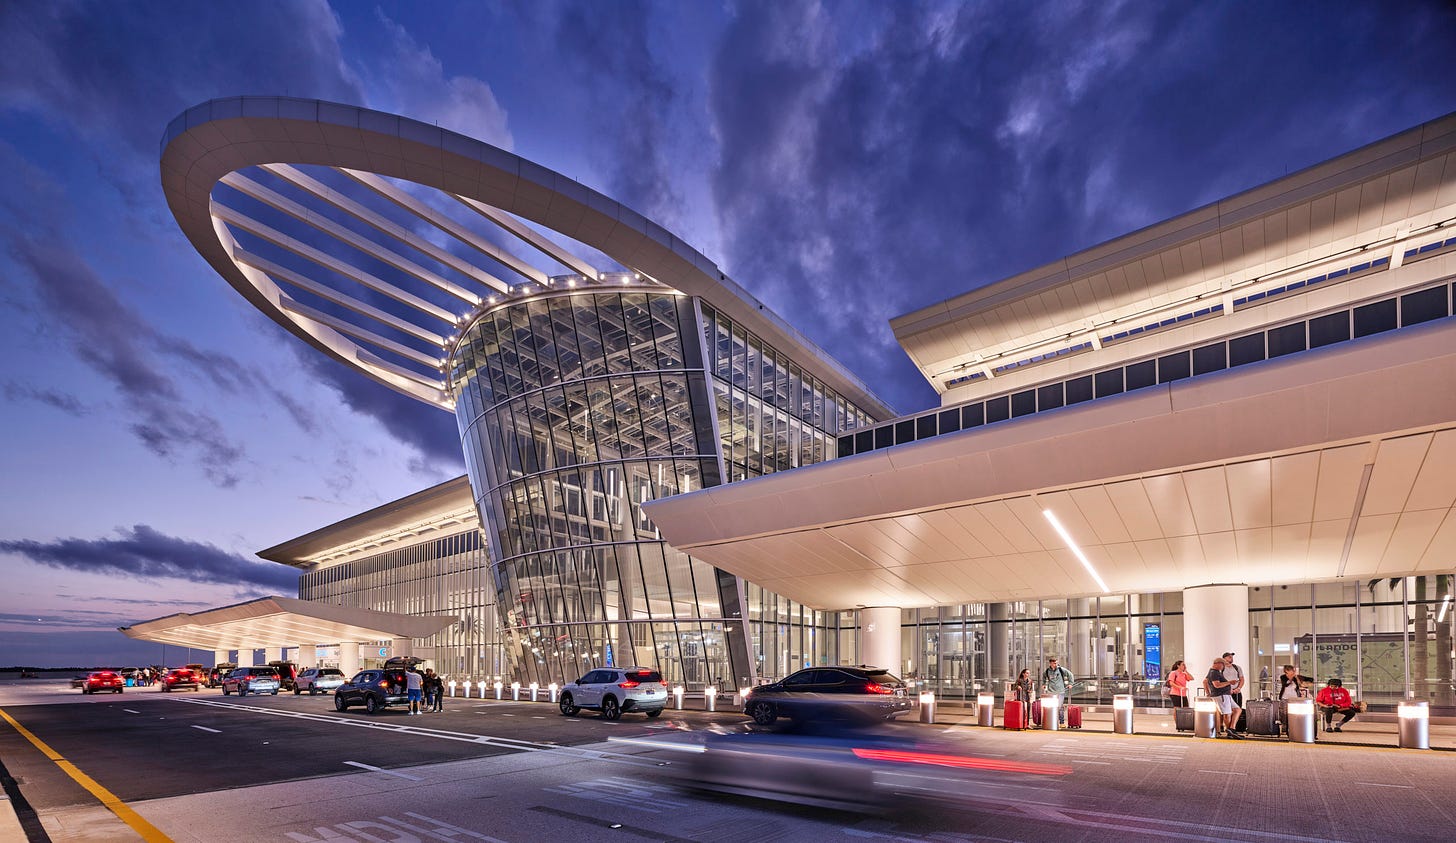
(144, 553)
(875, 160)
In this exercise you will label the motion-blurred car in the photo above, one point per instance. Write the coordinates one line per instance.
(178, 678)
(103, 680)
(375, 689)
(316, 679)
(832, 693)
(613, 690)
(251, 680)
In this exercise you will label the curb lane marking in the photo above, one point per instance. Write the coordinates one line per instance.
(205, 729)
(124, 812)
(371, 768)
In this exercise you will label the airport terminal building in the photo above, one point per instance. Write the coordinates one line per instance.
(1232, 430)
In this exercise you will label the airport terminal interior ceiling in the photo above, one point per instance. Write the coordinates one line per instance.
(577, 406)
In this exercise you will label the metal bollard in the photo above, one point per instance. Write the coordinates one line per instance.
(927, 707)
(516, 691)
(452, 687)
(986, 710)
(1122, 714)
(535, 686)
(554, 689)
(1205, 718)
(710, 697)
(1050, 714)
(1301, 721)
(1415, 725)
(498, 687)
(677, 698)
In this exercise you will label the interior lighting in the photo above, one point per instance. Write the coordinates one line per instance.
(1076, 551)
(1445, 604)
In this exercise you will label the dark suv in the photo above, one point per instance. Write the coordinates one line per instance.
(831, 693)
(375, 689)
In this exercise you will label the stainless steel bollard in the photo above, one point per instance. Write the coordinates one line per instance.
(986, 710)
(1122, 714)
(1050, 715)
(1301, 721)
(1415, 725)
(710, 698)
(927, 707)
(1205, 718)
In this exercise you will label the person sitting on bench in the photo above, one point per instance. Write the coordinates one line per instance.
(1334, 699)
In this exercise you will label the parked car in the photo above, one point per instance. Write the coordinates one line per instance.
(375, 689)
(830, 693)
(180, 677)
(287, 674)
(103, 680)
(219, 673)
(613, 690)
(251, 680)
(316, 679)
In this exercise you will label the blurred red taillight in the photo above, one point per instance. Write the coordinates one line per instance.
(628, 683)
(877, 688)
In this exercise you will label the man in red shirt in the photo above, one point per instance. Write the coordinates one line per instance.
(1334, 699)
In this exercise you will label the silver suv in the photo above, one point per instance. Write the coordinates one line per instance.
(613, 690)
(251, 680)
(317, 679)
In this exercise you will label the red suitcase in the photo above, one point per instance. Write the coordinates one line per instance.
(1074, 717)
(1036, 712)
(1015, 715)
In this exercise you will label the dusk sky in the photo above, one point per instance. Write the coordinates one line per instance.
(844, 162)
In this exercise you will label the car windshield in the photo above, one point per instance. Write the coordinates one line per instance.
(330, 672)
(884, 677)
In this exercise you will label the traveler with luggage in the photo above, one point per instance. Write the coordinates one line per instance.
(1334, 699)
(1023, 690)
(1219, 688)
(1178, 679)
(1057, 680)
(1292, 686)
(1234, 674)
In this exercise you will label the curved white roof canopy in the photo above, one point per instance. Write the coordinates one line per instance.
(416, 292)
(283, 622)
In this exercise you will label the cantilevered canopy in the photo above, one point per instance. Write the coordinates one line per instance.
(282, 622)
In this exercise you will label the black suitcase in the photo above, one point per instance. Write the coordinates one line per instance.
(1183, 719)
(1261, 717)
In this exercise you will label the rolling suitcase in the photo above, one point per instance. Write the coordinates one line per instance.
(1183, 719)
(1036, 712)
(1074, 717)
(1262, 717)
(1015, 715)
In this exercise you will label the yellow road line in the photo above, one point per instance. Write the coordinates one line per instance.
(148, 832)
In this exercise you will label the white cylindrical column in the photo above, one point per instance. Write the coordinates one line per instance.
(307, 656)
(402, 647)
(221, 656)
(1084, 662)
(349, 658)
(272, 654)
(879, 637)
(247, 657)
(1215, 621)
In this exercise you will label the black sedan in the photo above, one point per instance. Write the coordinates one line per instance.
(850, 693)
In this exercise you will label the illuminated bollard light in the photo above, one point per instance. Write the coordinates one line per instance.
(741, 697)
(1050, 719)
(1122, 714)
(1415, 724)
(467, 689)
(553, 688)
(452, 687)
(710, 696)
(1301, 721)
(498, 687)
(677, 698)
(985, 710)
(516, 691)
(1205, 718)
(534, 688)
(927, 707)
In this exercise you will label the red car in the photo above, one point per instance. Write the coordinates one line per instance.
(180, 677)
(103, 680)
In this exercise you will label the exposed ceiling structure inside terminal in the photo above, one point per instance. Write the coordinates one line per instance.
(283, 622)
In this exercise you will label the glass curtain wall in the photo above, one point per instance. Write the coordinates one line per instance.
(444, 576)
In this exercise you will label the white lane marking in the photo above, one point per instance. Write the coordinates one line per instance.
(371, 768)
(503, 714)
(537, 717)
(1224, 772)
(1085, 761)
(656, 744)
(1382, 784)
(205, 729)
(131, 711)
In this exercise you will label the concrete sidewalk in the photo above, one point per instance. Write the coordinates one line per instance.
(1368, 730)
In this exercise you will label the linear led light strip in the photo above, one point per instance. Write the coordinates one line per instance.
(1076, 551)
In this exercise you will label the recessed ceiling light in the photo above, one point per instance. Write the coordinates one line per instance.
(1076, 551)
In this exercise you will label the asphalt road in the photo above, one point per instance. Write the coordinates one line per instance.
(202, 767)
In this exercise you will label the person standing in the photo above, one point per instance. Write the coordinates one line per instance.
(1023, 695)
(1219, 688)
(1057, 680)
(414, 685)
(1292, 686)
(1235, 674)
(1178, 679)
(434, 691)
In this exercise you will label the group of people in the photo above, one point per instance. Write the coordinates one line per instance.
(1225, 685)
(426, 691)
(1055, 679)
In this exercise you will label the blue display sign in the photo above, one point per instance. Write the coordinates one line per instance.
(610, 663)
(1153, 651)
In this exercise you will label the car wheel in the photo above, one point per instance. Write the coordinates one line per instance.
(86, 691)
(119, 690)
(166, 690)
(296, 692)
(763, 713)
(339, 704)
(654, 712)
(610, 709)
(242, 690)
(312, 691)
(225, 691)
(371, 705)
(275, 693)
(568, 706)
